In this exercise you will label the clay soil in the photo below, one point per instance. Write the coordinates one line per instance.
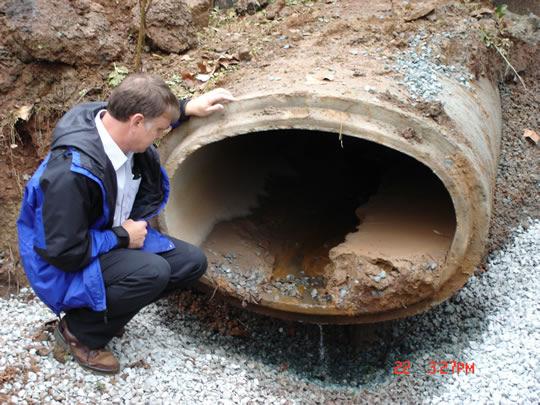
(230, 46)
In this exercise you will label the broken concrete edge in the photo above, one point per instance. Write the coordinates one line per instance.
(464, 160)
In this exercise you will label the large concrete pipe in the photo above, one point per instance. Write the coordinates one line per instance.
(330, 200)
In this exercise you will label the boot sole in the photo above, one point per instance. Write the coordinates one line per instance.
(65, 349)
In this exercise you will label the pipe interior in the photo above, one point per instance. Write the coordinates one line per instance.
(288, 203)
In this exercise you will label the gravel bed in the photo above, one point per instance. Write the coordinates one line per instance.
(171, 356)
(422, 67)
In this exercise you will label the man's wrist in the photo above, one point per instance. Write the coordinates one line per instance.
(122, 235)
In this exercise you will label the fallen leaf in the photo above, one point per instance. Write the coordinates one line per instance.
(227, 57)
(24, 113)
(531, 136)
(188, 78)
(203, 78)
(187, 75)
(226, 60)
(203, 68)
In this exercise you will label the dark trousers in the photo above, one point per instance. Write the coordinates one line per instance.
(133, 279)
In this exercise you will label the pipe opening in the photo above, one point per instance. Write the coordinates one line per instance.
(293, 220)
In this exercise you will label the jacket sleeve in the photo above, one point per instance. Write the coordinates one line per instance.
(183, 116)
(69, 205)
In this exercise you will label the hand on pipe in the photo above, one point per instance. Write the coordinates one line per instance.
(209, 103)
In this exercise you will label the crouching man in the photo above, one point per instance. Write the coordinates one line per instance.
(84, 239)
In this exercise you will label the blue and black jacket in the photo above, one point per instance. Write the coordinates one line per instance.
(66, 216)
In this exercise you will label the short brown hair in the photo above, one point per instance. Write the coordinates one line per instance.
(143, 93)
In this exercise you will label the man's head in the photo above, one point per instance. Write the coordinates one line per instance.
(145, 106)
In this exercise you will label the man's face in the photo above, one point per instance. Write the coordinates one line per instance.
(145, 131)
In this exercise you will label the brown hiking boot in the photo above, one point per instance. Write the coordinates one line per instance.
(98, 360)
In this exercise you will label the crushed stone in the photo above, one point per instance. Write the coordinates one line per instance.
(421, 66)
(170, 356)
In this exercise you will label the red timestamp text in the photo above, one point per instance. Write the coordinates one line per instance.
(436, 367)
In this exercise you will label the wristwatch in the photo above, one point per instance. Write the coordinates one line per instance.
(122, 235)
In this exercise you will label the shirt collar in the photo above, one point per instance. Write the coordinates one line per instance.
(113, 151)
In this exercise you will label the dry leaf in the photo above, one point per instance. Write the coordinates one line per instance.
(24, 113)
(226, 60)
(227, 57)
(188, 78)
(203, 78)
(187, 75)
(203, 68)
(531, 136)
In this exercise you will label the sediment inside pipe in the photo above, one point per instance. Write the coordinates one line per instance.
(313, 222)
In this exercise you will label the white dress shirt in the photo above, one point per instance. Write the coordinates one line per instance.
(123, 164)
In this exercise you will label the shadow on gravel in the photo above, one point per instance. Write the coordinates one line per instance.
(336, 356)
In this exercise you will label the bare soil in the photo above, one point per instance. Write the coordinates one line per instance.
(516, 193)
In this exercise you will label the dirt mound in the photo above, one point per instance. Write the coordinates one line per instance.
(169, 25)
(75, 33)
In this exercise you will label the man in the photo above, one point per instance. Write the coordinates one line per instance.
(84, 238)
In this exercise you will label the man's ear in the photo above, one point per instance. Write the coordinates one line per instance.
(136, 120)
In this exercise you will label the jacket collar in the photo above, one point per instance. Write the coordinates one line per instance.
(77, 128)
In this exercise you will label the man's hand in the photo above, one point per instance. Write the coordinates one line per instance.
(209, 103)
(137, 232)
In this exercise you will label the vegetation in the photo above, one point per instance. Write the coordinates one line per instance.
(498, 40)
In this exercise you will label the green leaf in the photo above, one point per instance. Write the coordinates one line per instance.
(117, 75)
(500, 10)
